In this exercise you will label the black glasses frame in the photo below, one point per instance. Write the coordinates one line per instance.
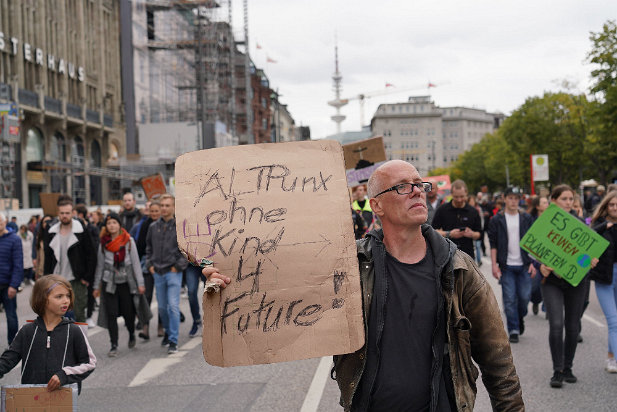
(424, 187)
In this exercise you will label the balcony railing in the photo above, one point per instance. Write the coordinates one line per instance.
(53, 105)
(92, 116)
(108, 120)
(73, 110)
(28, 98)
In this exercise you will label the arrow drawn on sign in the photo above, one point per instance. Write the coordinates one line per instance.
(324, 240)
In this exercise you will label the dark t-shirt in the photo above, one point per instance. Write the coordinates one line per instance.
(448, 217)
(404, 374)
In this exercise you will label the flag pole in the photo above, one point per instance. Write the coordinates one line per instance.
(533, 190)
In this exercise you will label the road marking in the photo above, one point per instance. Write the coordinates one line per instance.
(193, 343)
(154, 368)
(592, 320)
(158, 366)
(315, 392)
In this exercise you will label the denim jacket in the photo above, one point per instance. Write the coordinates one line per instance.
(475, 331)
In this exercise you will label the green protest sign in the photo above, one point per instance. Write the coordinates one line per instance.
(564, 243)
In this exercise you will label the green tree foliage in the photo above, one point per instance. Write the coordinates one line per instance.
(485, 164)
(601, 145)
(578, 134)
(553, 124)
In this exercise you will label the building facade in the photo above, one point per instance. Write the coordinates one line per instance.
(429, 136)
(60, 66)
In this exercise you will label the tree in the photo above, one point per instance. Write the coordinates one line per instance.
(602, 140)
(554, 124)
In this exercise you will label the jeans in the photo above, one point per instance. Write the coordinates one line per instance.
(607, 296)
(168, 297)
(564, 307)
(516, 291)
(478, 245)
(193, 275)
(29, 274)
(10, 307)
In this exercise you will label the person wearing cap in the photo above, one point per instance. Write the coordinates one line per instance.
(511, 265)
(118, 279)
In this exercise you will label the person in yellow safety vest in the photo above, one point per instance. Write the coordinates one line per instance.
(361, 204)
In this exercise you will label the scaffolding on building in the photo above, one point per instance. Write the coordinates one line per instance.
(210, 50)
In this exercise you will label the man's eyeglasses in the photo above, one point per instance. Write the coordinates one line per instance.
(407, 188)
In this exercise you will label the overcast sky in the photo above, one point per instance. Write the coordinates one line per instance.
(485, 54)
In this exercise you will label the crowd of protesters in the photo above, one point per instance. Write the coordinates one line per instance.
(504, 218)
(112, 261)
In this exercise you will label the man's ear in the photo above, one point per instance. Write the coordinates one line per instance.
(376, 206)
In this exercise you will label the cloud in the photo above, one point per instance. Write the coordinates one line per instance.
(482, 53)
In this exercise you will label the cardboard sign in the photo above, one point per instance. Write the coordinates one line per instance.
(49, 203)
(36, 398)
(564, 243)
(153, 185)
(276, 219)
(362, 158)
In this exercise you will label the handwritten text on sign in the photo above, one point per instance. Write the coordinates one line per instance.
(562, 242)
(275, 218)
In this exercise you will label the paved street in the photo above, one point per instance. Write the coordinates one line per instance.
(146, 378)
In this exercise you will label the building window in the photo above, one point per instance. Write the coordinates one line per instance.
(34, 147)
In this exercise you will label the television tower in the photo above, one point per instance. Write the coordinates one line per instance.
(337, 102)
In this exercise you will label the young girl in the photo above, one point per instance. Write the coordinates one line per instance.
(53, 350)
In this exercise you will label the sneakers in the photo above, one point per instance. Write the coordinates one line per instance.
(568, 376)
(195, 329)
(91, 323)
(173, 348)
(611, 365)
(514, 338)
(557, 380)
(131, 341)
(165, 340)
(113, 352)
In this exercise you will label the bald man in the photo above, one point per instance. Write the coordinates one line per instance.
(427, 309)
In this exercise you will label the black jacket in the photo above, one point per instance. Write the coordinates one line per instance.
(69, 355)
(603, 272)
(129, 218)
(498, 236)
(81, 252)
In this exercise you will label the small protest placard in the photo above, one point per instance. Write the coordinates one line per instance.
(36, 398)
(362, 158)
(564, 243)
(153, 185)
(276, 218)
